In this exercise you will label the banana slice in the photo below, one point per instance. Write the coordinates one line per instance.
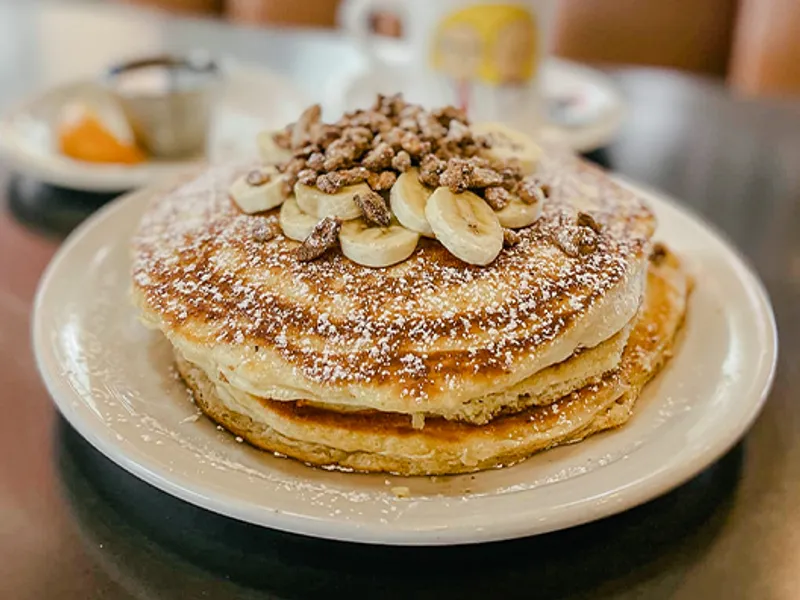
(465, 225)
(376, 246)
(296, 224)
(259, 190)
(270, 152)
(508, 143)
(341, 204)
(518, 214)
(408, 198)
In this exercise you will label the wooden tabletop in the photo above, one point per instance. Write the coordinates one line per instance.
(73, 525)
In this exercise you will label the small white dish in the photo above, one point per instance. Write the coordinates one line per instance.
(252, 99)
(113, 381)
(584, 107)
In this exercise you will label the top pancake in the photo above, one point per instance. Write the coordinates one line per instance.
(422, 336)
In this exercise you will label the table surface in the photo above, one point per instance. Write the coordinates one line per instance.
(72, 525)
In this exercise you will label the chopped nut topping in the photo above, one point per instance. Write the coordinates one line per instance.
(530, 191)
(510, 237)
(458, 132)
(301, 129)
(376, 145)
(379, 158)
(429, 126)
(587, 220)
(258, 178)
(414, 145)
(381, 182)
(263, 232)
(430, 170)
(401, 161)
(497, 197)
(658, 254)
(450, 113)
(374, 208)
(483, 178)
(330, 183)
(316, 161)
(324, 236)
(353, 176)
(458, 175)
(306, 151)
(307, 177)
(586, 241)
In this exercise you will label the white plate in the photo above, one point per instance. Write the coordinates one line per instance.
(585, 107)
(111, 378)
(253, 100)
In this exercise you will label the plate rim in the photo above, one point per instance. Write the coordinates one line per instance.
(626, 496)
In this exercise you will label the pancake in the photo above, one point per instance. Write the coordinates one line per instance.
(429, 336)
(382, 441)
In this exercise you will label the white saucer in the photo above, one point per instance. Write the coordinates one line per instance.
(584, 106)
(253, 99)
(111, 378)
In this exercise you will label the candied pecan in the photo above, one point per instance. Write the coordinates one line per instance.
(382, 181)
(389, 105)
(322, 134)
(330, 183)
(457, 175)
(341, 153)
(430, 170)
(401, 161)
(510, 237)
(482, 177)
(510, 171)
(458, 132)
(324, 236)
(658, 254)
(258, 178)
(497, 197)
(586, 241)
(301, 129)
(374, 208)
(316, 161)
(393, 137)
(307, 177)
(530, 190)
(292, 169)
(379, 158)
(283, 138)
(263, 232)
(353, 176)
(306, 151)
(429, 126)
(450, 113)
(358, 135)
(416, 147)
(587, 220)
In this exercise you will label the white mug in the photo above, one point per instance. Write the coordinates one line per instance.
(481, 55)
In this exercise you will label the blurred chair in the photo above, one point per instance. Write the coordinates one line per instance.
(693, 35)
(766, 49)
(316, 13)
(211, 7)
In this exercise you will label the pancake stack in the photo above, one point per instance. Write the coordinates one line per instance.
(323, 313)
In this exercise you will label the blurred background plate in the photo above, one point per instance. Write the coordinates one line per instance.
(253, 99)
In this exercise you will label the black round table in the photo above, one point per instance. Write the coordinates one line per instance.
(74, 525)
